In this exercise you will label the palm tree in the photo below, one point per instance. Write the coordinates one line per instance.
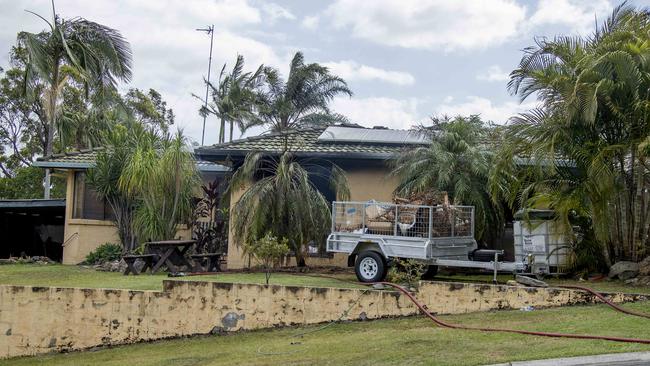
(98, 53)
(279, 198)
(458, 162)
(283, 202)
(300, 101)
(161, 172)
(233, 99)
(585, 147)
(105, 178)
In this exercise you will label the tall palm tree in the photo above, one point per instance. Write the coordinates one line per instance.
(586, 144)
(458, 162)
(98, 53)
(302, 100)
(233, 98)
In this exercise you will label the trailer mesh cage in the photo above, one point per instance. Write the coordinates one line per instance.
(382, 218)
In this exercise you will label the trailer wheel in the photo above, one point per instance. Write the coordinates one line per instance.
(430, 273)
(370, 267)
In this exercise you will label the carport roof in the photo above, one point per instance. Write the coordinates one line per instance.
(32, 203)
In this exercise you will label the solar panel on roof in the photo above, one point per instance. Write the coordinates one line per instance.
(367, 135)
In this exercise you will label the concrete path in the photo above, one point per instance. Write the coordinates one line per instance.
(618, 359)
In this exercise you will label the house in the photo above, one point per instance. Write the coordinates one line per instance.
(87, 219)
(363, 153)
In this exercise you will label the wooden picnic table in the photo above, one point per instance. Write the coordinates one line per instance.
(171, 253)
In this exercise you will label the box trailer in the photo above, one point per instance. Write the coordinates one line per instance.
(373, 234)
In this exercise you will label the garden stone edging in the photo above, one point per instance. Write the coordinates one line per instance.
(35, 320)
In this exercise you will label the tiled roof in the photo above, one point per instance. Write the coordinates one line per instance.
(84, 159)
(304, 142)
(74, 159)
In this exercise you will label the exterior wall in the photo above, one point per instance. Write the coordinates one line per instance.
(365, 183)
(41, 319)
(82, 236)
(371, 183)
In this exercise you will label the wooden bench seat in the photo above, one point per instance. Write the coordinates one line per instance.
(207, 262)
(130, 260)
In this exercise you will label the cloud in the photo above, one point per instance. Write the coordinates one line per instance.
(379, 111)
(431, 24)
(497, 113)
(578, 16)
(276, 12)
(493, 73)
(351, 70)
(310, 22)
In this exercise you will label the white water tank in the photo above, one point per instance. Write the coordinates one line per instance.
(540, 236)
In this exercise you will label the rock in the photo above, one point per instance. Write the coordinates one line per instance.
(116, 266)
(530, 281)
(644, 267)
(624, 270)
(632, 281)
(513, 283)
(643, 281)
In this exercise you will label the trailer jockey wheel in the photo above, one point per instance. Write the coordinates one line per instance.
(430, 273)
(370, 267)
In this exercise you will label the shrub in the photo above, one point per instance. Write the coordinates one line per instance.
(269, 250)
(406, 271)
(106, 252)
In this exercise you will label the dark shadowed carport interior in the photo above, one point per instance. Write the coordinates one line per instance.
(32, 228)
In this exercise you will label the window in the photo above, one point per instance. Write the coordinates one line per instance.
(86, 204)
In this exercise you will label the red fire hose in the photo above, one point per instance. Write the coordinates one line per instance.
(605, 300)
(441, 323)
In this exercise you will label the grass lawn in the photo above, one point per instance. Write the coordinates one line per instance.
(604, 285)
(76, 276)
(413, 341)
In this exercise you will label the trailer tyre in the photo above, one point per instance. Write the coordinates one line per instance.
(370, 267)
(430, 273)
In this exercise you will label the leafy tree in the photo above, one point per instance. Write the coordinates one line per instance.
(149, 109)
(21, 120)
(269, 250)
(586, 147)
(300, 101)
(233, 98)
(97, 53)
(458, 162)
(279, 198)
(27, 183)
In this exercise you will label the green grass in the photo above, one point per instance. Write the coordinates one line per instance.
(604, 285)
(413, 341)
(76, 276)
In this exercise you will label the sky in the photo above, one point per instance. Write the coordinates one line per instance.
(405, 60)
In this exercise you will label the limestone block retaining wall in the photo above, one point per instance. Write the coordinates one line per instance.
(37, 320)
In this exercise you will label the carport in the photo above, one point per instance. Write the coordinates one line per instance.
(32, 228)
